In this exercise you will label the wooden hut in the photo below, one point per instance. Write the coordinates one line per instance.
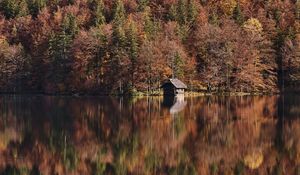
(173, 87)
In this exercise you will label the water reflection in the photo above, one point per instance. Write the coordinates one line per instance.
(209, 135)
(175, 103)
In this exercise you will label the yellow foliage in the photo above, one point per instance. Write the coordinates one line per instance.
(228, 6)
(253, 160)
(253, 25)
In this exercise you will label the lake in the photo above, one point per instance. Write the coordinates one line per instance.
(194, 135)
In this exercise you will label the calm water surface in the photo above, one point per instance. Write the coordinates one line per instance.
(201, 135)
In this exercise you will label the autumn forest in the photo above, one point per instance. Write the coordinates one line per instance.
(102, 46)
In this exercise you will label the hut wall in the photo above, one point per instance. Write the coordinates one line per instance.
(169, 89)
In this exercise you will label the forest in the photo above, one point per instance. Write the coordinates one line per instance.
(102, 46)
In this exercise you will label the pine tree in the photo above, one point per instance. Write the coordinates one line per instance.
(70, 26)
(143, 4)
(118, 13)
(177, 66)
(35, 6)
(172, 15)
(182, 12)
(59, 57)
(148, 23)
(238, 15)
(118, 58)
(97, 8)
(13, 8)
(192, 11)
(132, 48)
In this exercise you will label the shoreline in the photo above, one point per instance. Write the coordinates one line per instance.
(143, 94)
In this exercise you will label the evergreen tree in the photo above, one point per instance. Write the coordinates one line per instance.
(172, 15)
(118, 13)
(148, 23)
(192, 11)
(177, 66)
(97, 8)
(182, 12)
(118, 58)
(13, 8)
(35, 6)
(59, 57)
(143, 4)
(70, 26)
(59, 44)
(238, 15)
(132, 48)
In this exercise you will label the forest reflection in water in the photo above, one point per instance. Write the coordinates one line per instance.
(200, 135)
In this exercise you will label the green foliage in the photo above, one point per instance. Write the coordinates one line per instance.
(178, 66)
(132, 49)
(59, 56)
(238, 15)
(184, 12)
(214, 19)
(69, 25)
(97, 8)
(143, 4)
(172, 13)
(132, 41)
(70, 158)
(13, 8)
(118, 13)
(181, 12)
(11, 171)
(214, 169)
(192, 11)
(152, 161)
(239, 168)
(35, 6)
(149, 25)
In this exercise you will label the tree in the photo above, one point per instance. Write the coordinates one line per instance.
(181, 12)
(177, 66)
(35, 6)
(59, 66)
(13, 8)
(14, 67)
(238, 15)
(160, 58)
(228, 6)
(132, 48)
(89, 52)
(267, 58)
(149, 25)
(143, 4)
(291, 62)
(69, 25)
(118, 13)
(97, 8)
(192, 11)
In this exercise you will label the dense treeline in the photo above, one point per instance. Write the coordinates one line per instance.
(103, 46)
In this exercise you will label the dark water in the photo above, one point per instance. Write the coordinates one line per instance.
(201, 135)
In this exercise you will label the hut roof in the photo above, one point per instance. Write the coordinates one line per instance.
(176, 83)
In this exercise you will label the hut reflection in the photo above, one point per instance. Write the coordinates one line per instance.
(175, 104)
